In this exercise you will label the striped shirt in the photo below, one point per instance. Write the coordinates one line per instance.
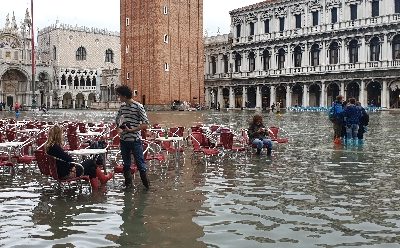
(134, 114)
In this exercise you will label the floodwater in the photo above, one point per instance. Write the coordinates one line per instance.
(310, 194)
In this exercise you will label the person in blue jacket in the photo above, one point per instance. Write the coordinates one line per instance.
(338, 120)
(352, 115)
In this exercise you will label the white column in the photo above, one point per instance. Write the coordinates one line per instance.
(323, 95)
(207, 65)
(342, 92)
(288, 63)
(60, 103)
(384, 53)
(363, 51)
(231, 98)
(306, 61)
(257, 60)
(273, 94)
(362, 93)
(244, 96)
(273, 59)
(207, 97)
(73, 103)
(220, 98)
(324, 54)
(305, 92)
(288, 96)
(384, 94)
(258, 97)
(342, 58)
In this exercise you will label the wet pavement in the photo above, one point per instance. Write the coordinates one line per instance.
(311, 193)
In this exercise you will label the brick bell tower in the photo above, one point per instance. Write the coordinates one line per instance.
(162, 50)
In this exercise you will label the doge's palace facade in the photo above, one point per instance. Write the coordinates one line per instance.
(86, 64)
(306, 53)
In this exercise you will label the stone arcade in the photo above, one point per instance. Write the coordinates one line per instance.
(306, 53)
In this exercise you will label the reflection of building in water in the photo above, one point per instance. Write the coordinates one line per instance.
(75, 66)
(16, 64)
(86, 64)
(306, 53)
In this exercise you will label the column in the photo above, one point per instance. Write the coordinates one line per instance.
(323, 95)
(288, 63)
(86, 102)
(51, 100)
(362, 93)
(220, 97)
(288, 96)
(342, 92)
(73, 103)
(59, 103)
(231, 98)
(244, 96)
(207, 65)
(257, 60)
(342, 58)
(384, 48)
(258, 97)
(384, 94)
(273, 94)
(305, 92)
(273, 59)
(207, 97)
(323, 53)
(305, 57)
(363, 51)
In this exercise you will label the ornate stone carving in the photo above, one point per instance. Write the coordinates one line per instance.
(237, 20)
(251, 17)
(314, 5)
(333, 3)
(348, 2)
(280, 11)
(268, 14)
(395, 86)
(297, 9)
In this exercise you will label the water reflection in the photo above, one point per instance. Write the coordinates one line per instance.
(310, 194)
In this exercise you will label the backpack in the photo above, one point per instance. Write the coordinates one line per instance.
(332, 114)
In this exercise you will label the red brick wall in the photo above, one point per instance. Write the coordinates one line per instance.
(148, 53)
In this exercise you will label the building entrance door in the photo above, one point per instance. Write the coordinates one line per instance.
(10, 101)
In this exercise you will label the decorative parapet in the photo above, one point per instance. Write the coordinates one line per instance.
(222, 38)
(77, 28)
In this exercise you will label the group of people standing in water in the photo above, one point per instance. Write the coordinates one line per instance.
(350, 121)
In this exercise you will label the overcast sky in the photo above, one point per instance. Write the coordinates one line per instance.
(105, 13)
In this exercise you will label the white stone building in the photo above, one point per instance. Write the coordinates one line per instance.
(16, 65)
(306, 53)
(86, 64)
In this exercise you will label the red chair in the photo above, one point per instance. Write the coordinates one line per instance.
(41, 160)
(51, 161)
(227, 143)
(273, 134)
(200, 145)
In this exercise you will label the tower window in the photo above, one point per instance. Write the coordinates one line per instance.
(166, 67)
(127, 21)
(165, 38)
(165, 10)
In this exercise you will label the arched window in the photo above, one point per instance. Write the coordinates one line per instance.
(54, 53)
(374, 49)
(251, 28)
(213, 65)
(109, 56)
(397, 6)
(252, 62)
(353, 51)
(375, 8)
(396, 47)
(81, 53)
(238, 62)
(281, 59)
(333, 53)
(238, 29)
(226, 63)
(266, 58)
(315, 55)
(297, 56)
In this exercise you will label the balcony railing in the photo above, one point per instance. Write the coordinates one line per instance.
(84, 88)
(344, 25)
(306, 70)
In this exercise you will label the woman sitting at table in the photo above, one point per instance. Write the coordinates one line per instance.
(65, 167)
